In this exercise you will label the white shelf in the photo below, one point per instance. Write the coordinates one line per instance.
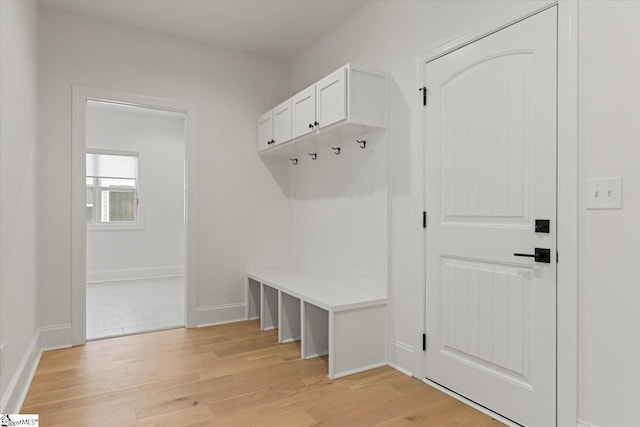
(343, 320)
(332, 296)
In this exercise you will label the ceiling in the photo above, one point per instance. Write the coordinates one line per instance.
(274, 28)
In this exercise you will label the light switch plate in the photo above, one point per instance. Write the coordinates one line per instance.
(604, 193)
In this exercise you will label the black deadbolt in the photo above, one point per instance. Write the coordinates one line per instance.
(542, 226)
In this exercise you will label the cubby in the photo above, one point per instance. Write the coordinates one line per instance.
(253, 300)
(289, 323)
(315, 331)
(268, 308)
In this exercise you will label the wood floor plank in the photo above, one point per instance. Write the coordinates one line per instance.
(227, 375)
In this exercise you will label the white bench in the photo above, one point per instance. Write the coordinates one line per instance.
(344, 320)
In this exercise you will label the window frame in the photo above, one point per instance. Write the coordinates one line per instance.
(96, 224)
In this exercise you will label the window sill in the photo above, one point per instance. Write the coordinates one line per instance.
(114, 227)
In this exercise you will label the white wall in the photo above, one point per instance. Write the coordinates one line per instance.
(340, 212)
(159, 139)
(243, 213)
(390, 35)
(609, 364)
(18, 121)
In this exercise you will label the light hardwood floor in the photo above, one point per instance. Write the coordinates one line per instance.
(228, 375)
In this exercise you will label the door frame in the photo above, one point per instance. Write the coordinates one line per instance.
(80, 96)
(567, 190)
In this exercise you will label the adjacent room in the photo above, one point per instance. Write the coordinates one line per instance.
(135, 219)
(304, 212)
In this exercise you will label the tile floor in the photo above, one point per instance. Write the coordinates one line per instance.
(134, 306)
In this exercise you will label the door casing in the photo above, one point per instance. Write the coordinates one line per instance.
(80, 95)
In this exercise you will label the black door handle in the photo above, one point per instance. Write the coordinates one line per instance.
(310, 125)
(539, 255)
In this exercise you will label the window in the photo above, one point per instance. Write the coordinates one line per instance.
(112, 188)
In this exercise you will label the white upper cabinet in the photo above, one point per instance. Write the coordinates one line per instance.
(349, 102)
(265, 131)
(331, 98)
(274, 126)
(282, 122)
(303, 106)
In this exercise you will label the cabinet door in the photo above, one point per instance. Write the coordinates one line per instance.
(282, 122)
(331, 98)
(303, 111)
(265, 130)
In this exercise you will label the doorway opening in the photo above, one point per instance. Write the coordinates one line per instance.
(135, 219)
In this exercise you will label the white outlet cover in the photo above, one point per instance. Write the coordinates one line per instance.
(604, 193)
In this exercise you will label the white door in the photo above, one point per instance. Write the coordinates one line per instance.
(490, 172)
(265, 130)
(282, 122)
(331, 98)
(303, 111)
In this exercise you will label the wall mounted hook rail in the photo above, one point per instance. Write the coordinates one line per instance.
(294, 161)
(336, 150)
(362, 143)
(313, 156)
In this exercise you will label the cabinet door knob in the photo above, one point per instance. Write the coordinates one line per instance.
(310, 126)
(316, 124)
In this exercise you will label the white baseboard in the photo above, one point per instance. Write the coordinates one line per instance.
(401, 356)
(55, 337)
(357, 370)
(401, 369)
(582, 423)
(219, 314)
(15, 393)
(134, 274)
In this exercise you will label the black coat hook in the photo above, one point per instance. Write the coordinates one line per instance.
(362, 143)
(294, 161)
(336, 150)
(313, 156)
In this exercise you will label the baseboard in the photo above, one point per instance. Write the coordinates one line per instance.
(134, 274)
(582, 423)
(401, 369)
(313, 356)
(55, 337)
(220, 314)
(401, 356)
(19, 385)
(357, 370)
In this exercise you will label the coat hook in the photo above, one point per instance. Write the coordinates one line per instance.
(336, 150)
(294, 161)
(362, 143)
(313, 156)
